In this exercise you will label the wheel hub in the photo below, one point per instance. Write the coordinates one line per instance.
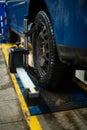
(43, 48)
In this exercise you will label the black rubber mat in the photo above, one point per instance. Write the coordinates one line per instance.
(62, 98)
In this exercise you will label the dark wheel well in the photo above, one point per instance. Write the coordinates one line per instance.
(35, 7)
(13, 37)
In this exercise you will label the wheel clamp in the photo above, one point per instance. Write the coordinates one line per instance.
(18, 63)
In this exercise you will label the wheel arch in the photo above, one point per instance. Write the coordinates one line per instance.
(35, 7)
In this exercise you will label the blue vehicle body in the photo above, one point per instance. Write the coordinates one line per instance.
(69, 21)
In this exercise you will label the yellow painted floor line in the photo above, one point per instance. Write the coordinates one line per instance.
(0, 46)
(32, 121)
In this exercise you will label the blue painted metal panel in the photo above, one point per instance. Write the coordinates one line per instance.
(16, 11)
(3, 23)
(1, 13)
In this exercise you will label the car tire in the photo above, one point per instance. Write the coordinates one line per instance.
(52, 73)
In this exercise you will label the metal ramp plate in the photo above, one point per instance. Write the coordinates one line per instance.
(27, 82)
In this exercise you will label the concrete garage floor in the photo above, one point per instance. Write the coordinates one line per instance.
(11, 117)
(68, 120)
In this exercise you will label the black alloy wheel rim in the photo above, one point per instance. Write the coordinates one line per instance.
(43, 49)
